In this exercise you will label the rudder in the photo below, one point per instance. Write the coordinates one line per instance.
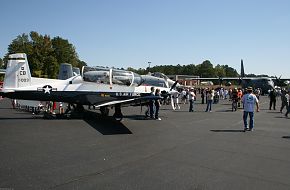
(17, 72)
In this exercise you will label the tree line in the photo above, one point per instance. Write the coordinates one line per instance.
(45, 54)
(205, 69)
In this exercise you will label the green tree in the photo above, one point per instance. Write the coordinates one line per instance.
(81, 64)
(220, 71)
(50, 67)
(1, 63)
(205, 69)
(44, 54)
(189, 69)
(65, 52)
(229, 71)
(20, 45)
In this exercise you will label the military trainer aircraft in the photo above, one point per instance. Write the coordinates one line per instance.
(98, 86)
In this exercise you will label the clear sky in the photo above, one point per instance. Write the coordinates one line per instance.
(131, 33)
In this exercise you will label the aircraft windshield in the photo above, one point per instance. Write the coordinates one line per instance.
(96, 74)
(111, 76)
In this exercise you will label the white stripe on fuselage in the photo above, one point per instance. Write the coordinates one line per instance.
(77, 84)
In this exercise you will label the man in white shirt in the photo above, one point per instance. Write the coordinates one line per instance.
(184, 96)
(174, 100)
(191, 96)
(249, 100)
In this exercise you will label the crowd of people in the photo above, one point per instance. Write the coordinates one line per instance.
(247, 99)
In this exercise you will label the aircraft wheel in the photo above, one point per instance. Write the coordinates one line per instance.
(118, 118)
(118, 114)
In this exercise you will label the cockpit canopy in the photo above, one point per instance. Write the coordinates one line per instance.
(110, 76)
(159, 75)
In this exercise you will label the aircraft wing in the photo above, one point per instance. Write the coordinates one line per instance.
(227, 78)
(142, 99)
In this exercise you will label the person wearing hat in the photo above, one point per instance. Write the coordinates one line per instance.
(249, 101)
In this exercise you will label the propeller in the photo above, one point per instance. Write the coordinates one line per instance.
(173, 86)
(279, 81)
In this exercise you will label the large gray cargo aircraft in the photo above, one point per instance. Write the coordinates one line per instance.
(264, 83)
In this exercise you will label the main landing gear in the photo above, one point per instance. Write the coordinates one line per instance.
(118, 113)
(118, 116)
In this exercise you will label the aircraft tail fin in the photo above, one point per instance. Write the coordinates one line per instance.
(242, 69)
(17, 72)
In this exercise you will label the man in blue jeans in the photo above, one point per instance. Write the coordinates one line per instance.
(249, 100)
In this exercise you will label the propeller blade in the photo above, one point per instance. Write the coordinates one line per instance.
(174, 85)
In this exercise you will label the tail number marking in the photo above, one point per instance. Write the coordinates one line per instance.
(23, 80)
(22, 72)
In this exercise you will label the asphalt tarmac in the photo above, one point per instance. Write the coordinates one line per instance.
(185, 150)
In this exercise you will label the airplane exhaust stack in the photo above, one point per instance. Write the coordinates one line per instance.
(17, 72)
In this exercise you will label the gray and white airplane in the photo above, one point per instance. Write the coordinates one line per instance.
(101, 87)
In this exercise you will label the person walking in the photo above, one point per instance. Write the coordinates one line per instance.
(258, 93)
(150, 110)
(288, 103)
(272, 96)
(234, 99)
(240, 95)
(184, 93)
(249, 101)
(284, 100)
(191, 98)
(202, 95)
(174, 100)
(157, 104)
(210, 96)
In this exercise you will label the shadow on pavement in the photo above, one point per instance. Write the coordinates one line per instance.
(6, 108)
(105, 125)
(228, 130)
(282, 116)
(20, 118)
(272, 112)
(230, 110)
(135, 117)
(286, 137)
